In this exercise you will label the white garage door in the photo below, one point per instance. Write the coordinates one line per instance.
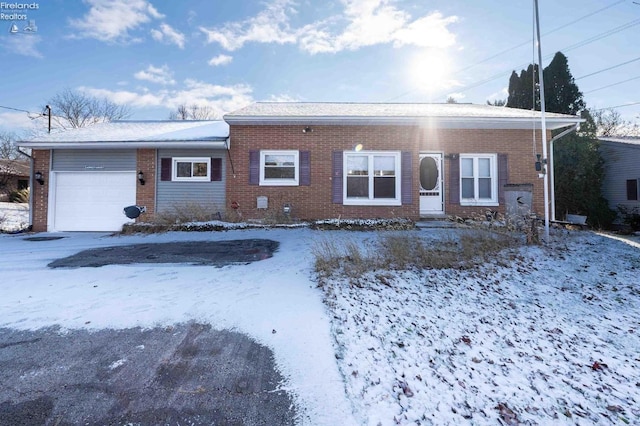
(92, 201)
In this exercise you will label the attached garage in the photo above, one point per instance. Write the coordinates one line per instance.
(92, 201)
(88, 175)
(89, 189)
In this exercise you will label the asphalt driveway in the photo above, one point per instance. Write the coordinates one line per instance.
(186, 374)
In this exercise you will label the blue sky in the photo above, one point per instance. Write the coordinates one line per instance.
(154, 55)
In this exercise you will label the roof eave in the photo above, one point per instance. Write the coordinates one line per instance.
(221, 143)
(553, 123)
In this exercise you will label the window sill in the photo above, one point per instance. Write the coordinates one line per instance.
(479, 203)
(279, 183)
(372, 203)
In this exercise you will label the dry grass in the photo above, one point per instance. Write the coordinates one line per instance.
(403, 251)
(187, 212)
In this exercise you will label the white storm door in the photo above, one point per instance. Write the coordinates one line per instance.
(431, 188)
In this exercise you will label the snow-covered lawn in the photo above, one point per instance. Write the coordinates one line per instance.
(542, 335)
(13, 216)
(546, 335)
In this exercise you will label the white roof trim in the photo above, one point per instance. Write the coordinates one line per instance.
(553, 123)
(215, 144)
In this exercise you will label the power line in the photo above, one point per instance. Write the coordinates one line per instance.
(574, 46)
(618, 106)
(611, 85)
(16, 109)
(609, 68)
(529, 41)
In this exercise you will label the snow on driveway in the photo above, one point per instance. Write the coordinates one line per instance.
(547, 335)
(274, 301)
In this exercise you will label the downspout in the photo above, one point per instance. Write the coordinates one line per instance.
(227, 144)
(30, 187)
(552, 167)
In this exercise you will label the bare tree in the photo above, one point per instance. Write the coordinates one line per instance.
(8, 148)
(73, 109)
(194, 112)
(609, 123)
(10, 164)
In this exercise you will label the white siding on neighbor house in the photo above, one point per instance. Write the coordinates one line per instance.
(622, 163)
(107, 160)
(174, 194)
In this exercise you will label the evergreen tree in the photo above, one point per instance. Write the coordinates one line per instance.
(515, 91)
(560, 90)
(579, 168)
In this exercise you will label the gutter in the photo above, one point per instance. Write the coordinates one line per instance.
(551, 167)
(453, 122)
(216, 144)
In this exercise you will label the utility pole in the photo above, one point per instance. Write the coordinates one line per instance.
(48, 108)
(544, 127)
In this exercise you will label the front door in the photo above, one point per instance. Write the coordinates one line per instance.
(431, 190)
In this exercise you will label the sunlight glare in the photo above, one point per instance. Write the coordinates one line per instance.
(431, 71)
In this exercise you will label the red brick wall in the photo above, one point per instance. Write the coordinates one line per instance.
(40, 193)
(314, 201)
(146, 194)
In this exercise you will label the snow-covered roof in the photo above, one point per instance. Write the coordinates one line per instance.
(118, 134)
(14, 167)
(434, 115)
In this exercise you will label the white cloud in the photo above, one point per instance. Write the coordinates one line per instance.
(220, 60)
(111, 20)
(160, 75)
(25, 45)
(362, 23)
(20, 123)
(269, 26)
(499, 95)
(169, 35)
(284, 98)
(372, 22)
(221, 99)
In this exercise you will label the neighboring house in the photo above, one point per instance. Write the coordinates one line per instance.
(14, 176)
(621, 185)
(319, 160)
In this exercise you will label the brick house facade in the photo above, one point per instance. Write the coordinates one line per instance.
(319, 160)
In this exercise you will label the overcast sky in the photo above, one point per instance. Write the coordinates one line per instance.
(155, 55)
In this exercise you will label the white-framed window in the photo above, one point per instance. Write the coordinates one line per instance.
(191, 169)
(371, 178)
(279, 168)
(479, 179)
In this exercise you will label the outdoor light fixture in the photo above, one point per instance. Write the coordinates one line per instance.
(39, 178)
(141, 177)
(307, 130)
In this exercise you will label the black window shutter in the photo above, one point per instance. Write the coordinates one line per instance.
(406, 185)
(503, 176)
(632, 189)
(454, 179)
(336, 178)
(165, 169)
(216, 169)
(305, 168)
(254, 167)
